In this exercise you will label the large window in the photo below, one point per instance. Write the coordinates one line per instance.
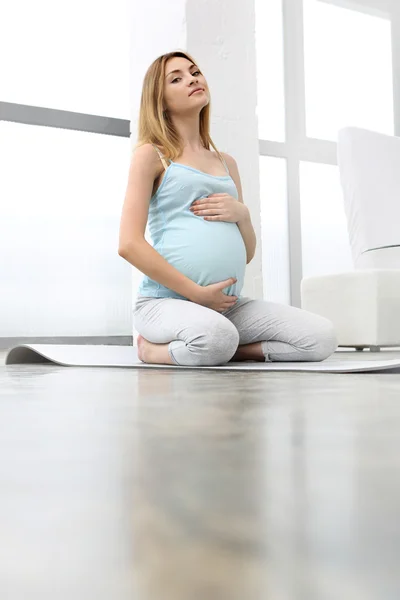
(348, 70)
(62, 194)
(321, 65)
(64, 154)
(325, 246)
(274, 229)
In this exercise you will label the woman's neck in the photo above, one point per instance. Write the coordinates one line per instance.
(188, 130)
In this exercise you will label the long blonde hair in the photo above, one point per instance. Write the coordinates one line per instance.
(154, 125)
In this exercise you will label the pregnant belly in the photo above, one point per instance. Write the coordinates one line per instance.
(207, 252)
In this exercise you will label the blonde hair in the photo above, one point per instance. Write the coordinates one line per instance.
(154, 125)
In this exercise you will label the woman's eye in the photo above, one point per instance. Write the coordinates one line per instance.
(176, 78)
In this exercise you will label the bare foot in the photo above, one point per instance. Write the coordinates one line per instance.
(142, 345)
(153, 353)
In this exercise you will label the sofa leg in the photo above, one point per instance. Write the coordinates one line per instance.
(360, 348)
(375, 348)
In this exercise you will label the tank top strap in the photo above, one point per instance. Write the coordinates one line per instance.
(161, 156)
(226, 166)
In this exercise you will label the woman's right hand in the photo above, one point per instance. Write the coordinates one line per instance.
(213, 297)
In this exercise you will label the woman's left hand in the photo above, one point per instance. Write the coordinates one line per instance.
(220, 207)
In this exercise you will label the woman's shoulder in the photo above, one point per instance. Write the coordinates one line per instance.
(148, 147)
(229, 159)
(150, 151)
(146, 155)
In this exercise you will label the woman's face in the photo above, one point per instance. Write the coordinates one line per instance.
(179, 87)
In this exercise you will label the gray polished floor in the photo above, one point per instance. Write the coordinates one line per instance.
(129, 484)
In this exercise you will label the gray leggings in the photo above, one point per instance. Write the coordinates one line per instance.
(198, 335)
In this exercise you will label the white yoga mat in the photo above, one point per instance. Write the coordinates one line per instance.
(126, 356)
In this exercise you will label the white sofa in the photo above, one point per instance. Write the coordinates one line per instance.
(364, 304)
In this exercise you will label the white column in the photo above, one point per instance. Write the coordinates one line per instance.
(221, 37)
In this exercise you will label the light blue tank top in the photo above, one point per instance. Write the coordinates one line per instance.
(205, 251)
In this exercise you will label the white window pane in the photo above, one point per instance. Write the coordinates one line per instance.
(73, 56)
(348, 70)
(274, 230)
(325, 242)
(270, 70)
(61, 195)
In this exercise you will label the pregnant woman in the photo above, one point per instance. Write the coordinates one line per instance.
(189, 310)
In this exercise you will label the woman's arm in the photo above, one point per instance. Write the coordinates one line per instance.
(245, 226)
(133, 247)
